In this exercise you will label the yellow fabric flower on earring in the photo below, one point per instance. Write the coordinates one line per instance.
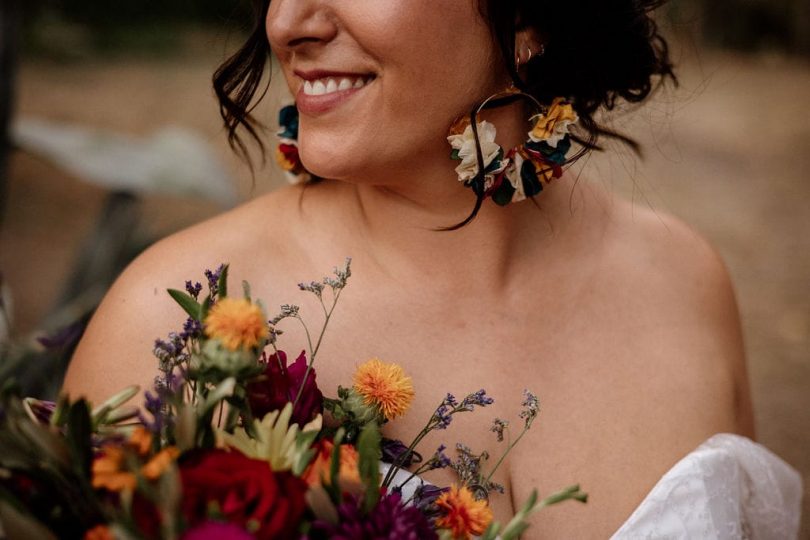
(552, 126)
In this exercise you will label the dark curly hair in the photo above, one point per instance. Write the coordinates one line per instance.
(597, 52)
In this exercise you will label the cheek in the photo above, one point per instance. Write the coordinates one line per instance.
(438, 59)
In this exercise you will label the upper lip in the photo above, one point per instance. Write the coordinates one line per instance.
(315, 74)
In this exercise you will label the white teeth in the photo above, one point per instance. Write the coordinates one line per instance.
(318, 88)
(330, 85)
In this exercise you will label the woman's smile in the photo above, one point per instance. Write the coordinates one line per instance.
(321, 91)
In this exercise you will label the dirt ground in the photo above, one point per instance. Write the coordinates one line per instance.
(729, 152)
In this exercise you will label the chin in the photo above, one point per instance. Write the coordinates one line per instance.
(333, 159)
(328, 164)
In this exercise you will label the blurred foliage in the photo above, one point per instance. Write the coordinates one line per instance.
(82, 27)
(76, 29)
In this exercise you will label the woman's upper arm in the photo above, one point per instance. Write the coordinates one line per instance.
(116, 349)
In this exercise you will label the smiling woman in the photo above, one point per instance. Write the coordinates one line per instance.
(622, 320)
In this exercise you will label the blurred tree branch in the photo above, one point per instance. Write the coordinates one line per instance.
(9, 43)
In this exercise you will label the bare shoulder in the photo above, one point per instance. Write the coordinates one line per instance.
(679, 293)
(116, 348)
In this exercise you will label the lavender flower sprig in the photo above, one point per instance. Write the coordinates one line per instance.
(440, 419)
(336, 284)
(531, 408)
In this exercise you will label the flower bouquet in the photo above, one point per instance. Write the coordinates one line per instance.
(236, 442)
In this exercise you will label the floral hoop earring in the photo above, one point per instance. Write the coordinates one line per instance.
(523, 171)
(287, 150)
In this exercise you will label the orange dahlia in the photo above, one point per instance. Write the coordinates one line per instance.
(318, 471)
(108, 471)
(236, 323)
(99, 532)
(156, 466)
(384, 385)
(463, 515)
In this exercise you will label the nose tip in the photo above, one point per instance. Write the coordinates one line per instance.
(293, 24)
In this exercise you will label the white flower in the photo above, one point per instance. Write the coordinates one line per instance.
(282, 445)
(465, 144)
(513, 175)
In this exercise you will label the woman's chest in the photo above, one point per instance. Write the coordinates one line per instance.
(461, 349)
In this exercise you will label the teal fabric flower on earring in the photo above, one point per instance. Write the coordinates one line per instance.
(287, 150)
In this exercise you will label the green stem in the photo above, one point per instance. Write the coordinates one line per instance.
(314, 352)
(397, 464)
(503, 456)
(417, 472)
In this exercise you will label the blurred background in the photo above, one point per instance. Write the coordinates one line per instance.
(110, 139)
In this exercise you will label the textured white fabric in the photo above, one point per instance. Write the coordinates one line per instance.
(728, 488)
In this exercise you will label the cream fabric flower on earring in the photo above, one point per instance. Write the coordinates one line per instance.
(464, 143)
(514, 178)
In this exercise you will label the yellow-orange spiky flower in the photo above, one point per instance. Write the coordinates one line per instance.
(384, 385)
(236, 323)
(463, 515)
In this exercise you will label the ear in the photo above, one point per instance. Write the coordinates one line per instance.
(528, 45)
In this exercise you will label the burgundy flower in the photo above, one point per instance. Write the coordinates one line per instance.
(244, 491)
(279, 385)
(214, 530)
(390, 519)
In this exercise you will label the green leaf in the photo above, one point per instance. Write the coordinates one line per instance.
(567, 494)
(492, 531)
(304, 439)
(222, 284)
(78, 436)
(205, 308)
(187, 302)
(246, 290)
(19, 524)
(334, 467)
(368, 449)
(222, 391)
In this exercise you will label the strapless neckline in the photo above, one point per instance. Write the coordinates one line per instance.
(729, 487)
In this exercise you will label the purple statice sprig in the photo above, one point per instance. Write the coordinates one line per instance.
(498, 427)
(289, 311)
(424, 498)
(441, 419)
(439, 460)
(175, 353)
(194, 289)
(214, 280)
(160, 402)
(469, 467)
(531, 408)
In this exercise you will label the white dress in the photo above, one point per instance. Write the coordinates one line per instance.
(728, 488)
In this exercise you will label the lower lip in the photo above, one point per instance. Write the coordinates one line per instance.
(309, 104)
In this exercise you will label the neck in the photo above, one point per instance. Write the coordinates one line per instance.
(396, 221)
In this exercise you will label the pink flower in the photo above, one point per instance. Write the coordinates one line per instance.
(214, 530)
